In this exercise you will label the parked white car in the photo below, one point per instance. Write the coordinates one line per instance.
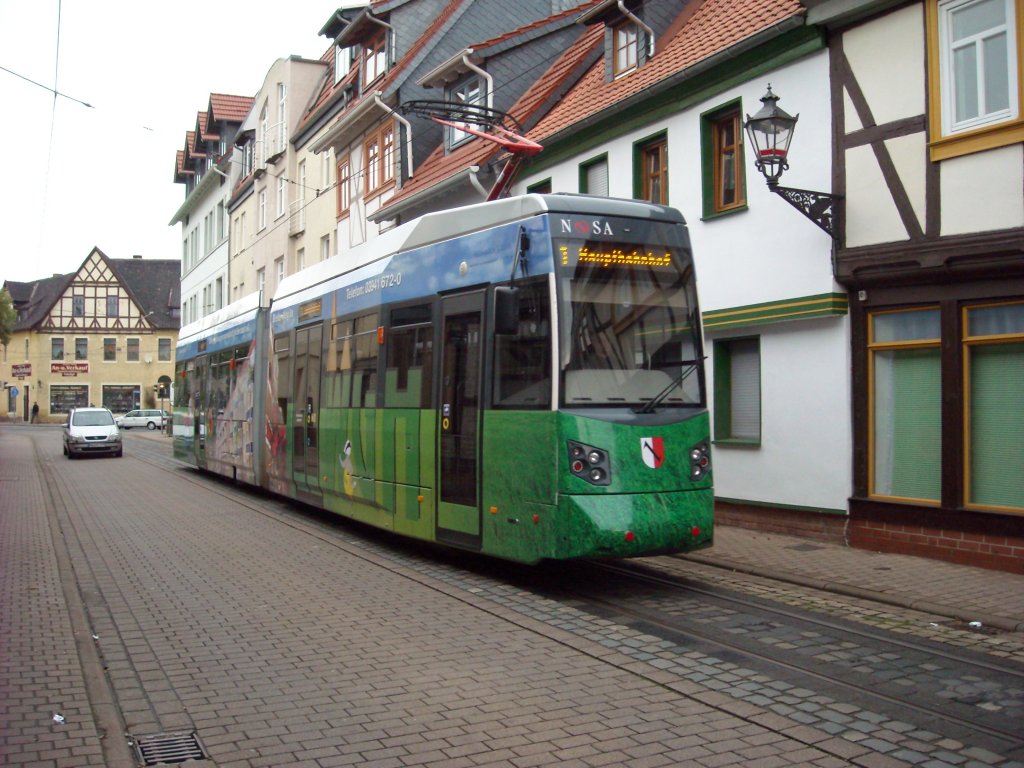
(150, 418)
(91, 430)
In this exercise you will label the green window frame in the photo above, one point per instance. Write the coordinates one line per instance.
(542, 187)
(594, 176)
(723, 185)
(993, 354)
(905, 405)
(650, 169)
(737, 410)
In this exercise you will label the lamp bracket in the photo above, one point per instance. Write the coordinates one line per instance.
(819, 207)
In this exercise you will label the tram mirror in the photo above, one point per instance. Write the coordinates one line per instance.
(506, 310)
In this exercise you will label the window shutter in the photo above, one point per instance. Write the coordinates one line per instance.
(597, 178)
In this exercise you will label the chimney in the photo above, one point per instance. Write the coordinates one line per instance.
(137, 256)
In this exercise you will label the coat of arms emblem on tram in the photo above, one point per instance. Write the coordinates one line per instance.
(652, 449)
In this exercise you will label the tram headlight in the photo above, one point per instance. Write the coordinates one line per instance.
(589, 463)
(700, 461)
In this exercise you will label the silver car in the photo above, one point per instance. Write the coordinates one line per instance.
(150, 418)
(91, 431)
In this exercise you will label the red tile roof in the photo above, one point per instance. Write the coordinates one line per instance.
(180, 171)
(229, 109)
(714, 26)
(203, 128)
(192, 137)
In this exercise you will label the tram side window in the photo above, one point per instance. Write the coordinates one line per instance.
(522, 362)
(183, 388)
(220, 381)
(409, 362)
(356, 358)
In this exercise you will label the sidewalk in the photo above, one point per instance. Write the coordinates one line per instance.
(994, 598)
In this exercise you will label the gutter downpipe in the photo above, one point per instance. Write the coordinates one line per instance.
(650, 32)
(473, 171)
(489, 78)
(391, 33)
(408, 127)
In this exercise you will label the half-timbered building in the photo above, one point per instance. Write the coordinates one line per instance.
(929, 158)
(103, 335)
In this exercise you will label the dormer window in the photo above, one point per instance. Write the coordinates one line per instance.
(628, 39)
(470, 91)
(342, 62)
(374, 58)
(625, 47)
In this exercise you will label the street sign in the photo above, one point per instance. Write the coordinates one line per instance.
(14, 391)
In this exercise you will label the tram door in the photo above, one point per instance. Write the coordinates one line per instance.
(458, 513)
(306, 415)
(201, 408)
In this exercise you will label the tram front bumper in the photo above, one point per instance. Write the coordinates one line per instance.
(631, 525)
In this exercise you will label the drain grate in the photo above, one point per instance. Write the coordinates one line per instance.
(166, 748)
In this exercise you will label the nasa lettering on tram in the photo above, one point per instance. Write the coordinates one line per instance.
(595, 227)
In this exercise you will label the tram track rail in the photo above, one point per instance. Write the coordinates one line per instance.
(969, 665)
(628, 583)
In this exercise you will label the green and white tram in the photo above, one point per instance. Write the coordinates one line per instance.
(522, 378)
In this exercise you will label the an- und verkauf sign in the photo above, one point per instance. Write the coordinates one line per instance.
(69, 369)
(21, 370)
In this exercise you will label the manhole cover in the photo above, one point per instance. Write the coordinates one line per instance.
(167, 748)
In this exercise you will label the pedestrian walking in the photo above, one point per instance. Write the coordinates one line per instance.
(35, 413)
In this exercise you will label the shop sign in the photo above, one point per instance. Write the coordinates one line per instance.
(21, 370)
(69, 369)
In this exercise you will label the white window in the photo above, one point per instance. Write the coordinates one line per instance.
(978, 63)
(279, 268)
(737, 367)
(469, 91)
(280, 195)
(264, 137)
(262, 209)
(325, 247)
(282, 116)
(221, 222)
(327, 161)
(594, 177)
(342, 62)
(625, 46)
(300, 259)
(261, 280)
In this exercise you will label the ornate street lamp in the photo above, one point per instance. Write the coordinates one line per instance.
(770, 132)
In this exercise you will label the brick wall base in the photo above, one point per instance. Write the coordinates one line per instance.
(819, 526)
(982, 540)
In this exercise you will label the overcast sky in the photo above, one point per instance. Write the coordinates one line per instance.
(79, 177)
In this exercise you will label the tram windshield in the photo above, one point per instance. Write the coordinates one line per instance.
(629, 324)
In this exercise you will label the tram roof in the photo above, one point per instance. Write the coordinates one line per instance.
(454, 222)
(235, 311)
